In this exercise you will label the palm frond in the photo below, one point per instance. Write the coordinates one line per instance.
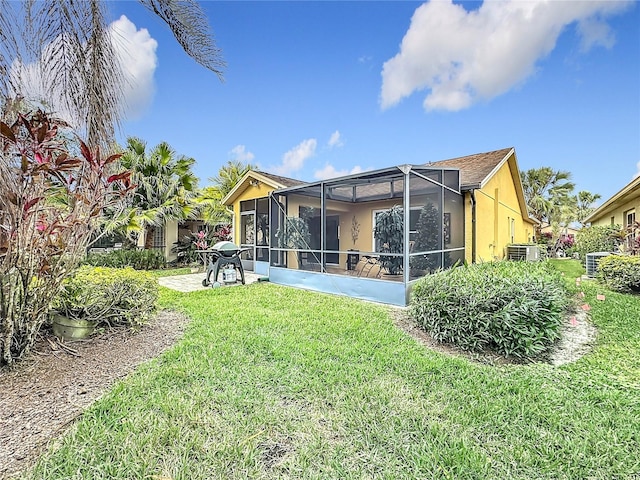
(190, 27)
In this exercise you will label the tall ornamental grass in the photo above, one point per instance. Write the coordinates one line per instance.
(512, 308)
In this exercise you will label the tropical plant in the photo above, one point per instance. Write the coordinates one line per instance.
(546, 192)
(138, 259)
(166, 187)
(429, 231)
(620, 273)
(108, 296)
(584, 205)
(51, 202)
(513, 308)
(599, 238)
(389, 231)
(60, 52)
(209, 199)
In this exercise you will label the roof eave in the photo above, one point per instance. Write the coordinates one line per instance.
(606, 206)
(234, 193)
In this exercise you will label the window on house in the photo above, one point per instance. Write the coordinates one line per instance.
(158, 237)
(630, 217)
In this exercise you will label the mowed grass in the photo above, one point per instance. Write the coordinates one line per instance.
(271, 382)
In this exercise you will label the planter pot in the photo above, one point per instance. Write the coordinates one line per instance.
(71, 328)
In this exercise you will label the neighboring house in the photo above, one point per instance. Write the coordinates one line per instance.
(321, 235)
(162, 237)
(620, 209)
(565, 232)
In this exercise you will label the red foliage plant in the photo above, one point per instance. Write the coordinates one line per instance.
(51, 203)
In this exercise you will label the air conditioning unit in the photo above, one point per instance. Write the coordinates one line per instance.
(592, 262)
(529, 253)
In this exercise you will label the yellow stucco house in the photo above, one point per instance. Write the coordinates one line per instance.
(323, 235)
(491, 184)
(620, 209)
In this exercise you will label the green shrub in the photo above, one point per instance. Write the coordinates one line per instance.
(137, 259)
(620, 273)
(512, 308)
(109, 296)
(598, 238)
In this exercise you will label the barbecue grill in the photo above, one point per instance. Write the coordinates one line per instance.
(223, 255)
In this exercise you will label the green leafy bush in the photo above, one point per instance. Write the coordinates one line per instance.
(598, 238)
(512, 308)
(110, 296)
(137, 259)
(620, 273)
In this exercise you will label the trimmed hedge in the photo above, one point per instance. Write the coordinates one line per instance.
(620, 273)
(512, 308)
(109, 296)
(137, 259)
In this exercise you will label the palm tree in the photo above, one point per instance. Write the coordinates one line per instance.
(230, 174)
(584, 207)
(166, 188)
(209, 201)
(545, 192)
(65, 44)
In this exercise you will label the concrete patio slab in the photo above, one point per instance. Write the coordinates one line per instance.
(193, 282)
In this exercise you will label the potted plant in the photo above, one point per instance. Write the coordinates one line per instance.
(294, 233)
(389, 231)
(102, 296)
(69, 316)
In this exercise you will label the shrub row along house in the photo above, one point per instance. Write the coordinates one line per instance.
(373, 234)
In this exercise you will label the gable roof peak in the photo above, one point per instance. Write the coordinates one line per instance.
(478, 168)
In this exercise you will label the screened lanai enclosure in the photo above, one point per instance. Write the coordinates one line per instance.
(369, 235)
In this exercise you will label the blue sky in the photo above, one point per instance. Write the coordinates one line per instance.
(319, 89)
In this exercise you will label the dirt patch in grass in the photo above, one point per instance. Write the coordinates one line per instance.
(42, 395)
(577, 337)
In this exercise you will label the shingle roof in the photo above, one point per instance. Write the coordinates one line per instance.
(285, 181)
(474, 169)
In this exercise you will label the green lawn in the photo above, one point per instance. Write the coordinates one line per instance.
(170, 272)
(271, 382)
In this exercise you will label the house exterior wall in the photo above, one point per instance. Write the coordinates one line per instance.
(617, 216)
(170, 237)
(498, 215)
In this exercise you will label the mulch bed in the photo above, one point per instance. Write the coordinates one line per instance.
(42, 395)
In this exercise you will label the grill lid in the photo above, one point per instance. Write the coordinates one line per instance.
(229, 247)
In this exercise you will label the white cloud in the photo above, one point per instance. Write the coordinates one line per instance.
(240, 154)
(638, 170)
(335, 140)
(136, 51)
(294, 159)
(462, 56)
(329, 171)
